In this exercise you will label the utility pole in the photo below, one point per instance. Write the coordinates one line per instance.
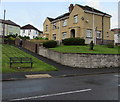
(4, 27)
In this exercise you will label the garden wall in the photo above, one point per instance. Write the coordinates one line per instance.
(28, 45)
(17, 41)
(81, 60)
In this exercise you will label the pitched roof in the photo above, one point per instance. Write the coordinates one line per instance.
(115, 29)
(30, 27)
(88, 8)
(61, 16)
(51, 19)
(9, 22)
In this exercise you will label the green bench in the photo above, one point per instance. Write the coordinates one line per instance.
(20, 60)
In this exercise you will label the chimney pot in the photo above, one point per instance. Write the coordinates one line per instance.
(71, 7)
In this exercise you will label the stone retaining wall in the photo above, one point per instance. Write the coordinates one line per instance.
(81, 60)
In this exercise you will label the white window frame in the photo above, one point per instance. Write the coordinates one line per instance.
(54, 36)
(76, 19)
(64, 23)
(89, 33)
(98, 34)
(64, 35)
(54, 26)
(23, 30)
(46, 29)
(107, 34)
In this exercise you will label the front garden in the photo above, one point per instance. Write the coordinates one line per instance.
(77, 45)
(99, 49)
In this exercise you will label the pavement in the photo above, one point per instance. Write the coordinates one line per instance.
(63, 71)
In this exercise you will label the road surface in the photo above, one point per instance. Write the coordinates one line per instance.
(89, 87)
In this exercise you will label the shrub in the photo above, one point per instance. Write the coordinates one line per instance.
(8, 36)
(26, 37)
(50, 44)
(38, 38)
(11, 38)
(46, 38)
(91, 45)
(73, 41)
(110, 45)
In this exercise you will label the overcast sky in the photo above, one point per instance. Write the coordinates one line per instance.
(35, 11)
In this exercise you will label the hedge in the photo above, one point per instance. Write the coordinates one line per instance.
(73, 41)
(50, 44)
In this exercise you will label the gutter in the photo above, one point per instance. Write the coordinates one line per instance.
(102, 28)
(97, 13)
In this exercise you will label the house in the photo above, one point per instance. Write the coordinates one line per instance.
(31, 31)
(81, 21)
(116, 36)
(9, 28)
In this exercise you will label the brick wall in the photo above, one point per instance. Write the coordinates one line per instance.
(28, 45)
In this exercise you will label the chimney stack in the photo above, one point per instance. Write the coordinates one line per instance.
(71, 7)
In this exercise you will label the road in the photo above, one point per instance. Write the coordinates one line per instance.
(90, 87)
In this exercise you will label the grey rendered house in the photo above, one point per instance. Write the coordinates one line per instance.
(10, 28)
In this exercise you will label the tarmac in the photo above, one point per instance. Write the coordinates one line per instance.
(63, 71)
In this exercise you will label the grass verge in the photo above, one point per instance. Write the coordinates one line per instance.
(98, 49)
(11, 51)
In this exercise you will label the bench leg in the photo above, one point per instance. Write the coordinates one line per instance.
(31, 65)
(10, 65)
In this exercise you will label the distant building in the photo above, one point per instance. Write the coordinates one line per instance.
(81, 21)
(116, 35)
(31, 31)
(11, 28)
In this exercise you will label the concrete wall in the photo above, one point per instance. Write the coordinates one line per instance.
(81, 60)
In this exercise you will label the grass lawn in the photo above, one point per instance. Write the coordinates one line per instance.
(99, 49)
(11, 51)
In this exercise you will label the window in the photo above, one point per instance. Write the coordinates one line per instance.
(98, 34)
(107, 34)
(10, 27)
(65, 22)
(76, 19)
(36, 32)
(89, 33)
(54, 26)
(64, 34)
(23, 31)
(1, 33)
(54, 36)
(46, 28)
(10, 33)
